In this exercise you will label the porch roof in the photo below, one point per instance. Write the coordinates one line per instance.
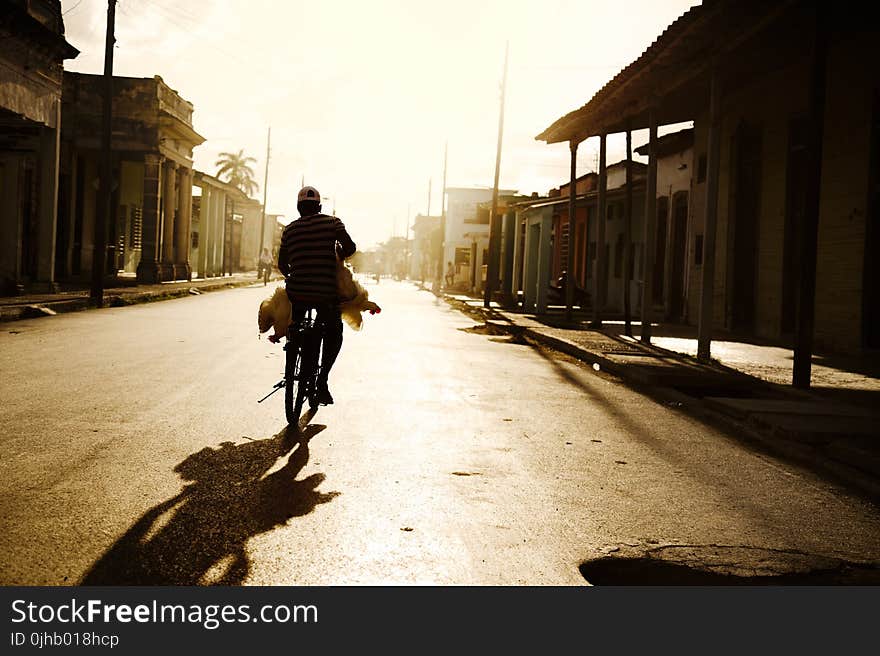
(674, 68)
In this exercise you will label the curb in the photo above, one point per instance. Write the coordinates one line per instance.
(837, 463)
(51, 308)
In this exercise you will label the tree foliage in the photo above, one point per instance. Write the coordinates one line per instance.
(237, 169)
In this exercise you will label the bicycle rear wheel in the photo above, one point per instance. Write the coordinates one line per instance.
(295, 387)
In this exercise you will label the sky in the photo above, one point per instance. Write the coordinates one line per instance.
(362, 97)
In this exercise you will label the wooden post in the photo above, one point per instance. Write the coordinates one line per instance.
(650, 230)
(569, 260)
(713, 164)
(599, 280)
(805, 320)
(627, 236)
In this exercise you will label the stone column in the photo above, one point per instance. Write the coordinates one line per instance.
(545, 260)
(205, 231)
(518, 247)
(221, 234)
(509, 223)
(204, 214)
(148, 269)
(50, 143)
(531, 248)
(169, 206)
(209, 220)
(183, 241)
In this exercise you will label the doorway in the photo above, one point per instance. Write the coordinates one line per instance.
(742, 242)
(679, 254)
(870, 286)
(795, 208)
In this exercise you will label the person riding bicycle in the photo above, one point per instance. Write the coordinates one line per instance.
(307, 259)
(265, 266)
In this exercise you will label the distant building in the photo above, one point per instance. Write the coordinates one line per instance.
(218, 212)
(152, 143)
(425, 248)
(784, 201)
(675, 239)
(542, 239)
(466, 239)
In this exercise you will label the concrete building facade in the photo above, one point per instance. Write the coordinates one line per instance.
(152, 144)
(466, 238)
(786, 111)
(32, 53)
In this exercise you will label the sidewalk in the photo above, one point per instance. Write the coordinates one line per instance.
(833, 428)
(126, 292)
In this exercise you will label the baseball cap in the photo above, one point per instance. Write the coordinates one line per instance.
(308, 193)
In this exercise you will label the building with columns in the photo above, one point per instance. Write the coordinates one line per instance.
(32, 53)
(153, 140)
(784, 209)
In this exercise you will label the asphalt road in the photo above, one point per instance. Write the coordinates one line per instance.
(133, 451)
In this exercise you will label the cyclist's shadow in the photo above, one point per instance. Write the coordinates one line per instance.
(199, 536)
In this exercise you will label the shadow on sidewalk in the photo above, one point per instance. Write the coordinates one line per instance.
(199, 536)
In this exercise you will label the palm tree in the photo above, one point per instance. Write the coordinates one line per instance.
(236, 168)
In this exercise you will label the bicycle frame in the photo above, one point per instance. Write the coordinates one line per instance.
(303, 349)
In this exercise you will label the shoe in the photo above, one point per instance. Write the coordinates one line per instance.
(322, 394)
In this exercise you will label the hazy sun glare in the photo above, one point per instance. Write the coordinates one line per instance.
(362, 96)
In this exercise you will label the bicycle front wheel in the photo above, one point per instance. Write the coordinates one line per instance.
(295, 388)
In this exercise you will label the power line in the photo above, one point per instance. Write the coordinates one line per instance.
(72, 8)
(189, 24)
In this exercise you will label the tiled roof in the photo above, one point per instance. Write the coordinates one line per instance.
(666, 38)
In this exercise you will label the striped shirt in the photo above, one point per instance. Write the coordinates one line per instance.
(307, 256)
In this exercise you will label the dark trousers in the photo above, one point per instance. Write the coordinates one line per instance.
(327, 314)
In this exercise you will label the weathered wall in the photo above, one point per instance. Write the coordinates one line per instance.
(770, 103)
(135, 112)
(844, 193)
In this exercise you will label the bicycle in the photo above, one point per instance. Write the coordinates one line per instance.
(301, 369)
(302, 355)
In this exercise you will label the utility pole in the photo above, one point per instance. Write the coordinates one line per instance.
(265, 191)
(494, 221)
(440, 268)
(428, 213)
(99, 258)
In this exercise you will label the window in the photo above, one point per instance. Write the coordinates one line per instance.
(462, 257)
(480, 216)
(136, 227)
(698, 250)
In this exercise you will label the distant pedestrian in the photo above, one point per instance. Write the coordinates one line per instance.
(265, 266)
(450, 274)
